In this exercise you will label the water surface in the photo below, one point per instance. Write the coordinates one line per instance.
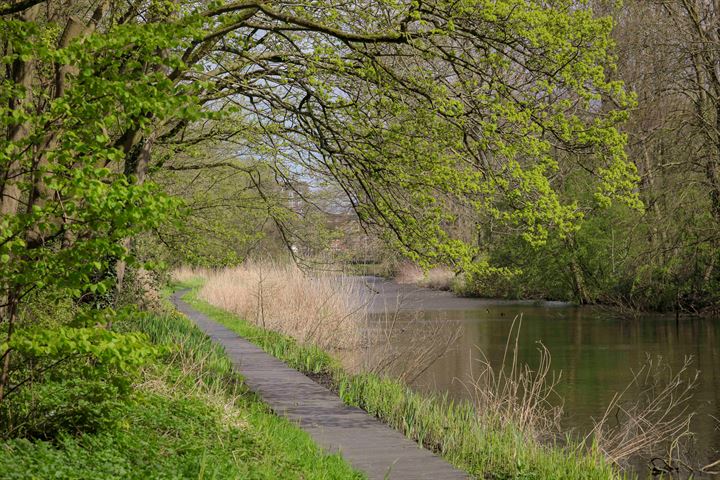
(595, 351)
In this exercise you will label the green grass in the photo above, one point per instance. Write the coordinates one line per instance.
(477, 444)
(191, 418)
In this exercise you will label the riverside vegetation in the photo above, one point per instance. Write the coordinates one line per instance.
(510, 428)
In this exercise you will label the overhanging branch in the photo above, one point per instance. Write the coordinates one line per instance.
(8, 8)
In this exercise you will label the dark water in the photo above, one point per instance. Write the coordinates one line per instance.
(595, 351)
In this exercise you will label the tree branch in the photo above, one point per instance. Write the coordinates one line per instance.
(202, 166)
(15, 7)
(391, 37)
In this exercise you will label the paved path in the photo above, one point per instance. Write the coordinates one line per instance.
(368, 444)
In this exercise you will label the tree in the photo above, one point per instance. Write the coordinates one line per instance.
(668, 55)
(67, 205)
(234, 210)
(412, 107)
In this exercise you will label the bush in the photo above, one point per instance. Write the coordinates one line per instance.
(48, 409)
(492, 283)
(70, 379)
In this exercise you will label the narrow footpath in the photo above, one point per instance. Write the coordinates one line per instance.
(366, 443)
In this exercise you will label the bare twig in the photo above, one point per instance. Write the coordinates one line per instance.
(653, 411)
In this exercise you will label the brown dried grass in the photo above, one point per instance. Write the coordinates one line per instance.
(325, 310)
(651, 413)
(187, 274)
(438, 278)
(407, 272)
(329, 311)
(512, 393)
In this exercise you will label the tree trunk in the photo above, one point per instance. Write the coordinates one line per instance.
(136, 165)
(21, 74)
(657, 236)
(11, 315)
(581, 293)
(576, 274)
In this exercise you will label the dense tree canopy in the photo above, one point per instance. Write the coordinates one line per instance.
(417, 111)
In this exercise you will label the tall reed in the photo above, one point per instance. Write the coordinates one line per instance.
(650, 415)
(186, 274)
(438, 278)
(319, 309)
(512, 393)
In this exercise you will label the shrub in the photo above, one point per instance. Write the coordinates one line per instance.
(70, 379)
(45, 410)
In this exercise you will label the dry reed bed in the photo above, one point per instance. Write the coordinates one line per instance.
(186, 274)
(327, 311)
(438, 278)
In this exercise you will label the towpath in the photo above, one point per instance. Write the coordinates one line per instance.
(366, 443)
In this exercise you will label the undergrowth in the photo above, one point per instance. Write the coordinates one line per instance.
(189, 417)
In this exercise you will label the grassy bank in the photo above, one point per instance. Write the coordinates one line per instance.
(484, 446)
(189, 417)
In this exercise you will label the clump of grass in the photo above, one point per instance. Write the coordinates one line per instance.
(322, 310)
(407, 272)
(438, 278)
(515, 394)
(193, 357)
